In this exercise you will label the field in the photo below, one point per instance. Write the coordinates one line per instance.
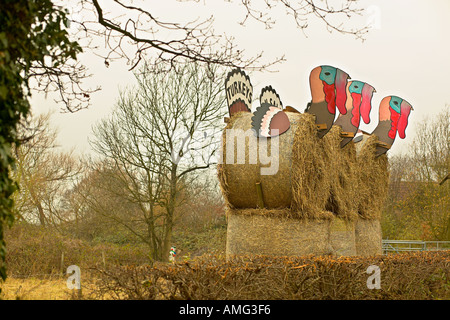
(35, 289)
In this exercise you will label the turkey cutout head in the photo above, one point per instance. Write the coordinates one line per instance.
(396, 110)
(359, 103)
(329, 84)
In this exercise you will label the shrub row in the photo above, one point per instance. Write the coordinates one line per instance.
(37, 252)
(420, 275)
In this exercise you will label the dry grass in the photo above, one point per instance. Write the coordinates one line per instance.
(49, 288)
(35, 289)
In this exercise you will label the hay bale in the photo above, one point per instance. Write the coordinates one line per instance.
(373, 179)
(238, 181)
(270, 232)
(310, 173)
(342, 237)
(277, 232)
(341, 162)
(368, 237)
(316, 177)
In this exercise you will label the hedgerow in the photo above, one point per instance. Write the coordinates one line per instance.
(420, 275)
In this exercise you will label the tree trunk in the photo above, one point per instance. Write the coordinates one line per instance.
(170, 209)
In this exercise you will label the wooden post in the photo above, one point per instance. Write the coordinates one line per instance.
(62, 263)
(260, 195)
(103, 260)
(345, 134)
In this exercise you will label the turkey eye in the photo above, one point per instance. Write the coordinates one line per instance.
(356, 87)
(396, 103)
(327, 73)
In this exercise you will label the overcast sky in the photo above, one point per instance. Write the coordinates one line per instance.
(407, 54)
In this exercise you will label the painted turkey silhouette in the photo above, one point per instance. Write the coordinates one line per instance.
(358, 104)
(269, 119)
(393, 118)
(328, 91)
(239, 91)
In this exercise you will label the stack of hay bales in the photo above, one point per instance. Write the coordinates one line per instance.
(323, 199)
(373, 183)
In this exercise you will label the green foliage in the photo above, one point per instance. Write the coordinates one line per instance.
(31, 33)
(211, 239)
(418, 206)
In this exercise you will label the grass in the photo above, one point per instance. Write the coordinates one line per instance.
(35, 289)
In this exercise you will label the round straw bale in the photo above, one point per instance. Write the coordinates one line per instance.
(368, 237)
(255, 160)
(237, 181)
(373, 179)
(251, 232)
(341, 162)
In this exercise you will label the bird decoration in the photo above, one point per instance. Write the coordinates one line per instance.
(331, 89)
(173, 254)
(239, 91)
(328, 92)
(393, 118)
(357, 105)
(269, 119)
(270, 96)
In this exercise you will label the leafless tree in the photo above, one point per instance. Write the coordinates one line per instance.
(431, 148)
(160, 134)
(42, 172)
(136, 33)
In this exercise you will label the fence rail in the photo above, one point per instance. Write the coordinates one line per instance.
(395, 246)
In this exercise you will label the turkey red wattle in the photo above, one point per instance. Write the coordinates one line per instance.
(394, 123)
(330, 96)
(366, 106)
(403, 120)
(356, 97)
(341, 94)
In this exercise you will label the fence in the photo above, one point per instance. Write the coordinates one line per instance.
(396, 246)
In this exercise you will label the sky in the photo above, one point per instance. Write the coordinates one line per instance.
(406, 53)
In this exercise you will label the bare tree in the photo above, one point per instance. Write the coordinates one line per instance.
(160, 134)
(431, 148)
(137, 33)
(43, 173)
